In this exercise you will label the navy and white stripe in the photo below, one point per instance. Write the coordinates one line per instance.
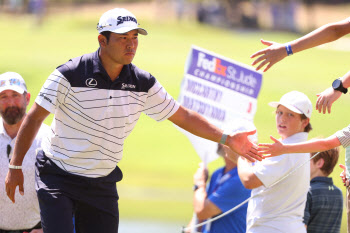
(93, 115)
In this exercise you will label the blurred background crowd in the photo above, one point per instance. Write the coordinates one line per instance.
(255, 14)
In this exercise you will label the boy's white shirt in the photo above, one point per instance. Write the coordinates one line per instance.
(280, 208)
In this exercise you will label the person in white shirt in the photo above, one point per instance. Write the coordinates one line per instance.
(280, 207)
(24, 215)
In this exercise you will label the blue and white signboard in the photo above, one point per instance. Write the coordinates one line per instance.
(219, 89)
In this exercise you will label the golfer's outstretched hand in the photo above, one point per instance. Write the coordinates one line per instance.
(325, 100)
(270, 55)
(271, 149)
(13, 179)
(241, 144)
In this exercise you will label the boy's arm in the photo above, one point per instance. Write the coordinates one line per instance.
(246, 174)
(315, 145)
(276, 52)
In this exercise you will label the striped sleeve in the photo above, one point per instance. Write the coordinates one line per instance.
(159, 104)
(53, 92)
(344, 136)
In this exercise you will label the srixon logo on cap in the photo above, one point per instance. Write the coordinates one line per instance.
(212, 65)
(122, 19)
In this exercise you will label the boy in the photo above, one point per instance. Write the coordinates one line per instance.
(275, 206)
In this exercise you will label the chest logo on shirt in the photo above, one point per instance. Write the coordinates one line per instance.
(128, 86)
(91, 82)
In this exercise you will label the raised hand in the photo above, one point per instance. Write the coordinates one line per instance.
(343, 175)
(271, 149)
(270, 55)
(325, 100)
(201, 176)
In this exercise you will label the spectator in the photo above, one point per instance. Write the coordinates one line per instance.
(224, 191)
(24, 215)
(324, 204)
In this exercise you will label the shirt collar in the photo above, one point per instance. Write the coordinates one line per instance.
(96, 63)
(2, 128)
(298, 137)
(324, 179)
(99, 69)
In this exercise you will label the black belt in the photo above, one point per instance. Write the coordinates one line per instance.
(37, 226)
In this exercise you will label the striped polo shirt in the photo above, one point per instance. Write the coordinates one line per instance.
(344, 136)
(93, 115)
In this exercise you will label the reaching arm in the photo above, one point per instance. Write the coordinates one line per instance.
(326, 98)
(25, 137)
(316, 145)
(276, 52)
(246, 175)
(198, 125)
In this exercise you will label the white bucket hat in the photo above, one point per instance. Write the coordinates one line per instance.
(295, 101)
(119, 20)
(12, 81)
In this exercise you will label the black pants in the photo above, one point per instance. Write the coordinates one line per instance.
(93, 201)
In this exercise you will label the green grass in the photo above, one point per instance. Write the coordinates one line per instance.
(159, 161)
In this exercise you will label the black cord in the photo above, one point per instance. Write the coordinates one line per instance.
(8, 151)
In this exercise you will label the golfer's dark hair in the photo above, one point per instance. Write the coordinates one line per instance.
(106, 34)
(330, 158)
(308, 128)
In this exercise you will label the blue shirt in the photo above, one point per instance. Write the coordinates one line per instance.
(226, 191)
(324, 206)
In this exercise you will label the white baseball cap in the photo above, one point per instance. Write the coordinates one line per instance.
(295, 101)
(119, 20)
(12, 81)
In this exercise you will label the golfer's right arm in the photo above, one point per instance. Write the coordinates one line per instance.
(26, 134)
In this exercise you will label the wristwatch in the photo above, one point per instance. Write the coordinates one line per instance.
(338, 86)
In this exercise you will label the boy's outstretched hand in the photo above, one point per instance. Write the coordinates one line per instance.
(271, 149)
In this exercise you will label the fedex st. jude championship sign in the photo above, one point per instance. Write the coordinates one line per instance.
(221, 90)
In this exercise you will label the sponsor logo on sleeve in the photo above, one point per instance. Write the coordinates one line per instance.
(45, 97)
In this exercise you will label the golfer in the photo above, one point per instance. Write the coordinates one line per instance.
(97, 99)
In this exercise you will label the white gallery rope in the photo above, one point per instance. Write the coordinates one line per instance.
(184, 229)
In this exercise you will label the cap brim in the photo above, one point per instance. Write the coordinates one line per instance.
(13, 88)
(127, 29)
(290, 107)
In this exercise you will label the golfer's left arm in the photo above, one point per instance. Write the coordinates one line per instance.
(246, 174)
(196, 124)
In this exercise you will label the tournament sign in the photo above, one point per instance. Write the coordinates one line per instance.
(219, 89)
